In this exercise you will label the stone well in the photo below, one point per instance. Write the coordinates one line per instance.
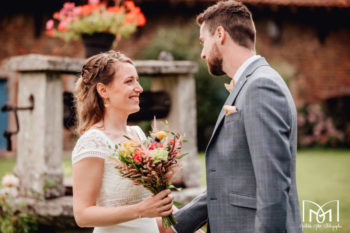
(39, 141)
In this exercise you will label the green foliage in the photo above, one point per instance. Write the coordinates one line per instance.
(6, 166)
(49, 183)
(16, 217)
(183, 43)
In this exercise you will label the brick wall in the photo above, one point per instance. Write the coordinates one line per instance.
(319, 67)
(321, 70)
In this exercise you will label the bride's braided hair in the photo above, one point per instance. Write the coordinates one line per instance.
(97, 69)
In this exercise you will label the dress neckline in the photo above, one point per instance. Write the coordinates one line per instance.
(128, 128)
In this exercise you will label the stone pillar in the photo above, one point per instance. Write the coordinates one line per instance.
(182, 118)
(39, 141)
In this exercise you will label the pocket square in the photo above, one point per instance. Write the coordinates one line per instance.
(229, 109)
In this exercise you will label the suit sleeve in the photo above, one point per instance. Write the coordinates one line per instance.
(267, 122)
(192, 216)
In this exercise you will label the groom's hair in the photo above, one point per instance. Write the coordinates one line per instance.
(234, 17)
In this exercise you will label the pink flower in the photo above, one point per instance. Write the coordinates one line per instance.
(62, 26)
(68, 5)
(77, 11)
(301, 120)
(49, 24)
(69, 19)
(312, 117)
(94, 2)
(307, 141)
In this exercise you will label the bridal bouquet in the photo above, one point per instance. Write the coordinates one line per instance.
(151, 163)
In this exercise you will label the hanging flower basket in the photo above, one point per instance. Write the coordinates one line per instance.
(80, 22)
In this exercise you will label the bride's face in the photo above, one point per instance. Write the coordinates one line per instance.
(124, 91)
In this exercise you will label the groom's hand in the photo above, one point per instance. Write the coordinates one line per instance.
(161, 228)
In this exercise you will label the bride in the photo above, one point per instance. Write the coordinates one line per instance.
(106, 94)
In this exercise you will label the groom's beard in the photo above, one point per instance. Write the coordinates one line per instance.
(215, 62)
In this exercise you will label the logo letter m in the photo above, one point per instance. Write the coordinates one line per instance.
(320, 212)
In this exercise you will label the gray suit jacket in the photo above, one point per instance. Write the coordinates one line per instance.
(250, 162)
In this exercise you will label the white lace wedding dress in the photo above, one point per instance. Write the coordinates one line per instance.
(115, 190)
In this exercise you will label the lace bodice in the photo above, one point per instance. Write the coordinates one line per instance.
(115, 190)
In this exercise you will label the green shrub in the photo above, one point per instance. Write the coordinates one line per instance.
(16, 217)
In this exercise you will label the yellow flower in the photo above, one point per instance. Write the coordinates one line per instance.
(2, 198)
(129, 143)
(160, 135)
(129, 146)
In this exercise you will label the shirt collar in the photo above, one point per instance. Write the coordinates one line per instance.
(244, 66)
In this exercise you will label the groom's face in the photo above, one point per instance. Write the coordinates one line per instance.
(210, 52)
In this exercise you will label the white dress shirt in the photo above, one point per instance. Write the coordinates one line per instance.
(244, 66)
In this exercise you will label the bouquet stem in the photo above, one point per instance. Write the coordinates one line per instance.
(168, 221)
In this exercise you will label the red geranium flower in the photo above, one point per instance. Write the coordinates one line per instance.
(155, 145)
(137, 156)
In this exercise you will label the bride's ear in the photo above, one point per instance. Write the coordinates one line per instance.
(102, 90)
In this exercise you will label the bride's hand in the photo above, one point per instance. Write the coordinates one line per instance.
(156, 205)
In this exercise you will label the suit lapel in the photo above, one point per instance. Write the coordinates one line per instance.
(233, 95)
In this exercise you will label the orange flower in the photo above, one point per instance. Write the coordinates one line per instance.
(129, 18)
(49, 32)
(96, 7)
(116, 9)
(130, 5)
(86, 10)
(129, 143)
(141, 19)
(56, 15)
(137, 10)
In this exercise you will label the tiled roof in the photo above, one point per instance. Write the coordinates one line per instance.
(318, 3)
(309, 3)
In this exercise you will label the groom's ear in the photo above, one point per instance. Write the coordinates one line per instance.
(220, 35)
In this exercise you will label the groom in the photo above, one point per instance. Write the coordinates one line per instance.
(250, 158)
